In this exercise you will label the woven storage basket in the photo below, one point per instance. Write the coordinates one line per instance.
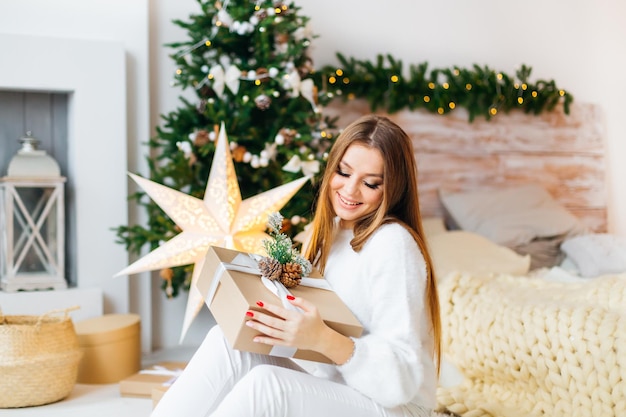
(39, 357)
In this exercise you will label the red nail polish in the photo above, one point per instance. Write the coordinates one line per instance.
(249, 314)
(290, 297)
(260, 303)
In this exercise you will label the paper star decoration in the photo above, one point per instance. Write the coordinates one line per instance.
(220, 219)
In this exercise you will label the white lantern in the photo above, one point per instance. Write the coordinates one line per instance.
(32, 221)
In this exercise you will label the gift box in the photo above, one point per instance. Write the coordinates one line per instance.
(158, 393)
(159, 376)
(231, 284)
(111, 348)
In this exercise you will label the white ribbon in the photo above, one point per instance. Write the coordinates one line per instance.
(222, 79)
(241, 263)
(280, 291)
(248, 264)
(305, 88)
(295, 164)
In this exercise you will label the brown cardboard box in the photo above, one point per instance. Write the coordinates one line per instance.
(142, 383)
(111, 348)
(158, 393)
(238, 292)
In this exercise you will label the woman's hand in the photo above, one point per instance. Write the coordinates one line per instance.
(302, 330)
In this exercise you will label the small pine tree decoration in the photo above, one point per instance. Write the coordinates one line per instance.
(247, 63)
(283, 261)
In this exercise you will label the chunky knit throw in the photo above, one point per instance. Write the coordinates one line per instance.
(531, 347)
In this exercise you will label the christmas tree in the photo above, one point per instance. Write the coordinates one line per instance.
(247, 63)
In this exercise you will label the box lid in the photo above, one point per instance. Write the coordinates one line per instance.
(108, 328)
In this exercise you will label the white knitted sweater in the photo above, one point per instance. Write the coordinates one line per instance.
(384, 286)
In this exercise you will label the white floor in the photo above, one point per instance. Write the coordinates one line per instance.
(88, 400)
(105, 400)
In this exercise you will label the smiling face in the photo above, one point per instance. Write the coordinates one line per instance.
(357, 185)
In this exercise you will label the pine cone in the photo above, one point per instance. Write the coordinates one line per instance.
(262, 74)
(270, 268)
(292, 275)
(202, 138)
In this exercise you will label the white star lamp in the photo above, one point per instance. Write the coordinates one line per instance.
(220, 219)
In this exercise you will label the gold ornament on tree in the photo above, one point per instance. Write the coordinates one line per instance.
(220, 219)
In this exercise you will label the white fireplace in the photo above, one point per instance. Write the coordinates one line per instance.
(93, 74)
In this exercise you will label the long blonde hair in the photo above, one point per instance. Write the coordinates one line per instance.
(400, 202)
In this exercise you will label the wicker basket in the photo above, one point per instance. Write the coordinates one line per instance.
(39, 357)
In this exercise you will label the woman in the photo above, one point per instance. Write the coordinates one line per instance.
(368, 242)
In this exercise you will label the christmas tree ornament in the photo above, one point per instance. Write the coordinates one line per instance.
(263, 75)
(223, 18)
(306, 88)
(263, 101)
(295, 164)
(270, 151)
(222, 79)
(285, 136)
(239, 153)
(202, 138)
(167, 274)
(185, 147)
(220, 219)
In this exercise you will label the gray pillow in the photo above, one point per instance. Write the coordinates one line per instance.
(512, 216)
(544, 252)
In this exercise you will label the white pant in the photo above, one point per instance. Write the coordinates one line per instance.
(222, 382)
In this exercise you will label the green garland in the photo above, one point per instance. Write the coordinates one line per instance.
(480, 90)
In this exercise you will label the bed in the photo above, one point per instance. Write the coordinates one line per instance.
(532, 285)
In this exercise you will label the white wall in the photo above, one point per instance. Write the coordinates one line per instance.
(578, 43)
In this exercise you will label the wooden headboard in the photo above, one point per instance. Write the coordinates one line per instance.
(563, 153)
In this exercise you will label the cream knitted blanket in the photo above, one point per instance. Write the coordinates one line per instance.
(530, 347)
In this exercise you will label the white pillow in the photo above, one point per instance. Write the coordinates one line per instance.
(510, 216)
(596, 254)
(463, 251)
